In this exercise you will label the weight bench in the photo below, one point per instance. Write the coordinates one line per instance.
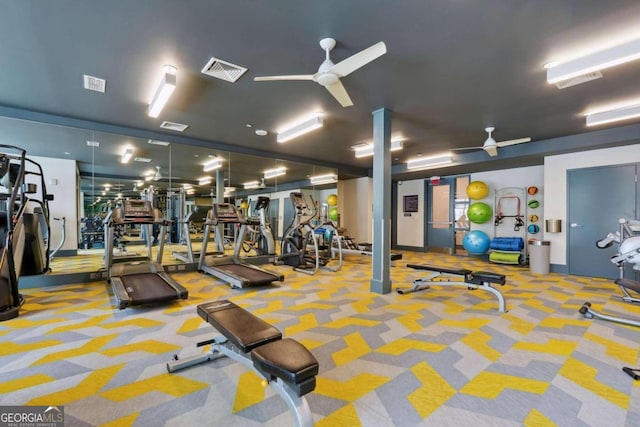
(285, 364)
(472, 280)
(625, 286)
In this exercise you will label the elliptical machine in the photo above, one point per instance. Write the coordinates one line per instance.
(300, 246)
(628, 239)
(257, 240)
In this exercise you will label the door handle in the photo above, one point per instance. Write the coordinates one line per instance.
(575, 225)
(440, 222)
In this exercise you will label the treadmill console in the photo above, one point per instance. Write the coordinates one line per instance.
(137, 210)
(226, 213)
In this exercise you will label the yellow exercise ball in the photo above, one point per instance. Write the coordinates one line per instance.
(477, 190)
(332, 200)
(244, 205)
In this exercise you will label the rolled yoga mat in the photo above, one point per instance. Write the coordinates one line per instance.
(505, 257)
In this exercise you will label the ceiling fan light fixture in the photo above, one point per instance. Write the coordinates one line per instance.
(596, 61)
(300, 128)
(165, 88)
(429, 162)
(614, 115)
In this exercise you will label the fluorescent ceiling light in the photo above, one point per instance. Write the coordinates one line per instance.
(165, 88)
(622, 113)
(212, 165)
(365, 150)
(324, 179)
(229, 189)
(126, 156)
(596, 61)
(204, 180)
(272, 173)
(156, 142)
(149, 177)
(429, 162)
(251, 184)
(142, 159)
(300, 128)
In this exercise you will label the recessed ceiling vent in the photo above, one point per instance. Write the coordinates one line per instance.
(579, 80)
(223, 70)
(178, 127)
(94, 83)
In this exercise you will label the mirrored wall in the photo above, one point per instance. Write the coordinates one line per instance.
(88, 171)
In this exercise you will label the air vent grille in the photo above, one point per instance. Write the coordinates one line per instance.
(178, 127)
(579, 80)
(94, 83)
(223, 70)
(93, 144)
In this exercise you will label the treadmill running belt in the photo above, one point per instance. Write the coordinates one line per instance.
(256, 277)
(147, 287)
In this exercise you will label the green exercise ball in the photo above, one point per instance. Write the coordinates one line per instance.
(333, 214)
(479, 212)
(477, 190)
(332, 200)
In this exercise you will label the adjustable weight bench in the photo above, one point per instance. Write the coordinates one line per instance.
(440, 276)
(285, 364)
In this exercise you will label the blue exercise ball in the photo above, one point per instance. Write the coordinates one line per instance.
(476, 242)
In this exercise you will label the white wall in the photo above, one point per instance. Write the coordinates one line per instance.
(555, 182)
(355, 205)
(61, 181)
(410, 229)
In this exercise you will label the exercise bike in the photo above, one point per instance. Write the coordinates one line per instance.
(628, 240)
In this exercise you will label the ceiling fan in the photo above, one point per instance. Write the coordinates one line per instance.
(329, 74)
(491, 146)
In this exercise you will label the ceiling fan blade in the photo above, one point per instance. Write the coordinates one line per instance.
(512, 142)
(291, 77)
(362, 58)
(492, 150)
(340, 93)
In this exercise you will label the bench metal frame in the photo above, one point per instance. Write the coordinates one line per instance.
(221, 347)
(444, 278)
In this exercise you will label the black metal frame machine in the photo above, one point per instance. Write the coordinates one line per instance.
(11, 232)
(140, 282)
(232, 269)
(197, 215)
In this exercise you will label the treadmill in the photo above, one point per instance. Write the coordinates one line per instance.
(232, 269)
(140, 282)
(199, 214)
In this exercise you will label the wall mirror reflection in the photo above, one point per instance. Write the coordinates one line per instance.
(89, 172)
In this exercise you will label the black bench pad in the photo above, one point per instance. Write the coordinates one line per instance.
(634, 285)
(289, 360)
(479, 277)
(459, 271)
(239, 326)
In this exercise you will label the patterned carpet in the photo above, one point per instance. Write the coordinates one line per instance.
(442, 357)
